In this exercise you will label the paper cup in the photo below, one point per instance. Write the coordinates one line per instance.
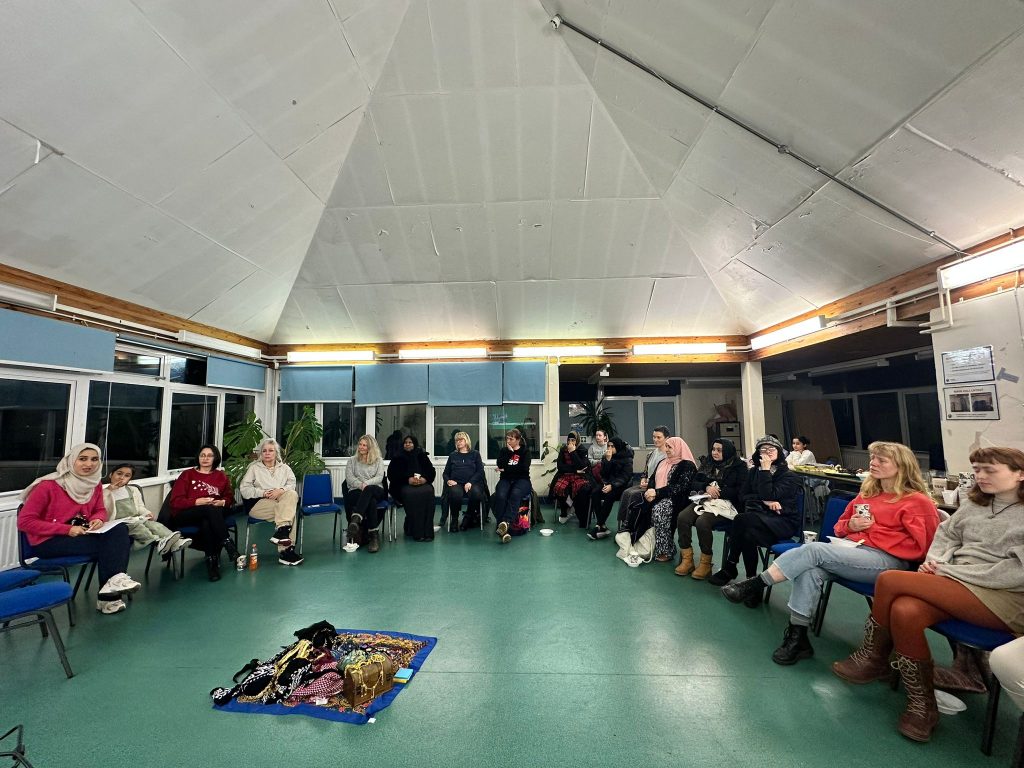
(810, 536)
(951, 497)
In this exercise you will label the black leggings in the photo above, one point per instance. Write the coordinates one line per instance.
(213, 530)
(749, 531)
(111, 549)
(456, 493)
(364, 502)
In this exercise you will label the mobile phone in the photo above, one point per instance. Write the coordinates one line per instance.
(863, 510)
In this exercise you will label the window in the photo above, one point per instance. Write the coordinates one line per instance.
(501, 418)
(394, 422)
(236, 408)
(343, 424)
(846, 428)
(448, 420)
(138, 363)
(187, 370)
(657, 413)
(193, 423)
(924, 427)
(33, 422)
(625, 415)
(124, 421)
(879, 418)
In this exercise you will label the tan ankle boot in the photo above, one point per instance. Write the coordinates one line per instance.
(685, 562)
(703, 569)
(870, 662)
(922, 714)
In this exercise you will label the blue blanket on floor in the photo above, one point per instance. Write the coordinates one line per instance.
(347, 716)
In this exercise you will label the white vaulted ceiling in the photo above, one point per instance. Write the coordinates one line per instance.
(305, 171)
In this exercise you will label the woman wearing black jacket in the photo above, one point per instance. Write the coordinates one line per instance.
(571, 486)
(514, 467)
(616, 472)
(411, 480)
(769, 512)
(720, 477)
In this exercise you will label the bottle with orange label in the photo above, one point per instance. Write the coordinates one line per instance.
(254, 559)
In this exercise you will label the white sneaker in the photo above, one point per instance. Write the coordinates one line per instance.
(563, 519)
(182, 544)
(110, 606)
(120, 584)
(167, 544)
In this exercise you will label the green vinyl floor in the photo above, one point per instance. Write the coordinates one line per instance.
(550, 652)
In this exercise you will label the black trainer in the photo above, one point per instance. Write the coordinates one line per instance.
(282, 536)
(795, 646)
(289, 557)
(724, 576)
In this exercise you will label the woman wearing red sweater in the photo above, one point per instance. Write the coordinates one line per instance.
(201, 497)
(891, 524)
(62, 507)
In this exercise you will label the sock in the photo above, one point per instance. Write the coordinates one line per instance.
(767, 579)
(797, 620)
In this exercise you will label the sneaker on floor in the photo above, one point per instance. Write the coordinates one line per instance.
(282, 536)
(110, 606)
(563, 518)
(120, 584)
(502, 528)
(289, 557)
(169, 543)
(598, 532)
(182, 544)
(506, 538)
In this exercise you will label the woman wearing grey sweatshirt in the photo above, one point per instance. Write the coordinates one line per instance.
(363, 490)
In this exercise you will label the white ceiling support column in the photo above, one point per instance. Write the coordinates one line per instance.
(550, 418)
(752, 392)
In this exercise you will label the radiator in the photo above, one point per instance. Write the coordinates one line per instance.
(338, 477)
(8, 539)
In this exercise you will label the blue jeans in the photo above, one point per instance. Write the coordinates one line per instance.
(809, 565)
(507, 495)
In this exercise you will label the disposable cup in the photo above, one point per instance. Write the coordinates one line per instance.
(951, 497)
(810, 536)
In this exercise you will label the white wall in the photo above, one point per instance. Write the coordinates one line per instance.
(696, 406)
(995, 320)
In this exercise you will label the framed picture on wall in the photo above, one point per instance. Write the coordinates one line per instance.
(975, 402)
(963, 365)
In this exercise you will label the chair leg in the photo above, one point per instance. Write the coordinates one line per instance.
(149, 560)
(78, 581)
(47, 618)
(819, 613)
(92, 572)
(989, 731)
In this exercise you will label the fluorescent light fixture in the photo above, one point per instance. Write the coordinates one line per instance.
(24, 297)
(441, 353)
(581, 351)
(853, 365)
(789, 332)
(209, 342)
(335, 356)
(1009, 258)
(703, 348)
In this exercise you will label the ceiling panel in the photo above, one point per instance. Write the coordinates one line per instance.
(820, 76)
(425, 312)
(362, 180)
(618, 238)
(370, 28)
(688, 306)
(573, 309)
(117, 99)
(258, 55)
(17, 153)
(757, 300)
(319, 162)
(250, 307)
(612, 168)
(411, 66)
(314, 315)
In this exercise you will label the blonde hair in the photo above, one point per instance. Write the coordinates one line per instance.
(908, 471)
(277, 449)
(372, 449)
(464, 436)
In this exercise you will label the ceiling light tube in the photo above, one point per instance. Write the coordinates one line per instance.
(999, 261)
(333, 356)
(25, 297)
(580, 351)
(209, 342)
(703, 348)
(788, 333)
(441, 353)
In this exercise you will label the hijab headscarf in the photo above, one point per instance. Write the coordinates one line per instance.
(728, 453)
(680, 451)
(78, 487)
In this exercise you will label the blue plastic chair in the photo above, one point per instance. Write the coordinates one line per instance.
(833, 511)
(317, 499)
(187, 532)
(978, 640)
(36, 603)
(767, 553)
(51, 566)
(17, 577)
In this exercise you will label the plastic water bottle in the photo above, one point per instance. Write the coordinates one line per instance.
(254, 559)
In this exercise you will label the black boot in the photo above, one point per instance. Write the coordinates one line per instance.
(353, 527)
(750, 592)
(373, 542)
(231, 549)
(795, 646)
(213, 567)
(724, 576)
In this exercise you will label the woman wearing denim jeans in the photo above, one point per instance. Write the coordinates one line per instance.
(891, 523)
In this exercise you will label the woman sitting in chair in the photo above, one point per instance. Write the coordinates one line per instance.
(514, 484)
(411, 480)
(363, 490)
(201, 498)
(271, 483)
(891, 524)
(972, 573)
(59, 514)
(669, 492)
(464, 479)
(124, 502)
(571, 486)
(769, 513)
(616, 470)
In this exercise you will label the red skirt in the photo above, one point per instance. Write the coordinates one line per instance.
(568, 485)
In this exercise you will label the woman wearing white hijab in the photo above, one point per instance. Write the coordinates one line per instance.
(61, 508)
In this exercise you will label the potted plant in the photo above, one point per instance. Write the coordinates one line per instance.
(299, 450)
(596, 416)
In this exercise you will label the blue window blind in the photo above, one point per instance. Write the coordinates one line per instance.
(41, 341)
(392, 384)
(465, 384)
(524, 382)
(326, 384)
(234, 374)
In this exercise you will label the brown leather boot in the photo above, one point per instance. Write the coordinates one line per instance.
(685, 562)
(870, 662)
(703, 569)
(921, 715)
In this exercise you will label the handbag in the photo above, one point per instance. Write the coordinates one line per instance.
(720, 507)
(635, 553)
